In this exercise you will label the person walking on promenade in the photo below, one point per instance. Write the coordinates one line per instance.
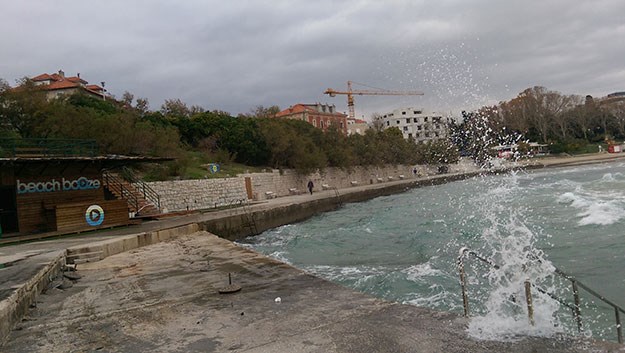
(310, 186)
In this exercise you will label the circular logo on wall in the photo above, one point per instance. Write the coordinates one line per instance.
(94, 215)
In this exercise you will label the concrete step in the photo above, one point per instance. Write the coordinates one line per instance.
(82, 257)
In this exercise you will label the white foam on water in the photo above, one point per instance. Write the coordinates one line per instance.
(280, 256)
(421, 272)
(607, 177)
(342, 273)
(439, 296)
(592, 209)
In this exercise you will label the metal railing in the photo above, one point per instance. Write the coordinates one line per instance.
(116, 186)
(249, 218)
(337, 196)
(575, 307)
(46, 147)
(148, 193)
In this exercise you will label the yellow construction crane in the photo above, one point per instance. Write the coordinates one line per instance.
(377, 92)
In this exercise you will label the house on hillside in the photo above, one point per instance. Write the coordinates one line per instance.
(417, 125)
(319, 115)
(58, 84)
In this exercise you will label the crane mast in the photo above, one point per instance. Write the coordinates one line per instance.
(377, 92)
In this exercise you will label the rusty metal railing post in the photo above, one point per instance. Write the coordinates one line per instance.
(619, 329)
(463, 282)
(528, 298)
(576, 308)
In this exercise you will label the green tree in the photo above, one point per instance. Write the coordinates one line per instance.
(22, 108)
(262, 112)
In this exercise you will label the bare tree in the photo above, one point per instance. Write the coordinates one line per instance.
(127, 98)
(175, 107)
(557, 106)
(260, 111)
(582, 116)
(617, 112)
(377, 122)
(142, 105)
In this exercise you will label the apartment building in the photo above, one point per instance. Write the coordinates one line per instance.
(417, 124)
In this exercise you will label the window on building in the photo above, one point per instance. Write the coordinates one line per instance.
(438, 127)
(417, 112)
(427, 134)
(419, 127)
(403, 113)
(321, 124)
(414, 120)
(405, 128)
(410, 135)
(425, 119)
(397, 122)
(408, 121)
(388, 123)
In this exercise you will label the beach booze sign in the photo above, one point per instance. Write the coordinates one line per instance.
(53, 185)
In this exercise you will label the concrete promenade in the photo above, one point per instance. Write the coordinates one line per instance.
(163, 297)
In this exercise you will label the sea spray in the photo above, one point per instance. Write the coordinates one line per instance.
(507, 240)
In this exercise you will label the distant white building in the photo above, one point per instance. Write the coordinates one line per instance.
(356, 126)
(417, 125)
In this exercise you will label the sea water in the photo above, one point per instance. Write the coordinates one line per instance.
(404, 248)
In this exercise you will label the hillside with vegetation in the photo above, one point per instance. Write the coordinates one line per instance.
(253, 141)
(195, 137)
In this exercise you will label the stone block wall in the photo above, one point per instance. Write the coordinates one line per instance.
(284, 183)
(181, 195)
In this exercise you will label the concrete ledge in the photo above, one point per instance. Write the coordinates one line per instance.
(121, 244)
(13, 308)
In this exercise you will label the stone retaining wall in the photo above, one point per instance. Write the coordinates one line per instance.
(182, 195)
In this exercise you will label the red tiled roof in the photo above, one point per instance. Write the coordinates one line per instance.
(99, 93)
(60, 85)
(42, 77)
(94, 87)
(76, 79)
(297, 108)
(300, 108)
(60, 82)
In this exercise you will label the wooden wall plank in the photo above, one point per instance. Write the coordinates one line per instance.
(71, 217)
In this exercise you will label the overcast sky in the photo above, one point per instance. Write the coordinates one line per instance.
(235, 55)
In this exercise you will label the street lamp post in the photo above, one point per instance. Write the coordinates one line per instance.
(103, 91)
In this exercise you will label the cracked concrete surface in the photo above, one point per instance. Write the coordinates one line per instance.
(164, 298)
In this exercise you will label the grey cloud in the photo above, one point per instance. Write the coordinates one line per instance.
(234, 55)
